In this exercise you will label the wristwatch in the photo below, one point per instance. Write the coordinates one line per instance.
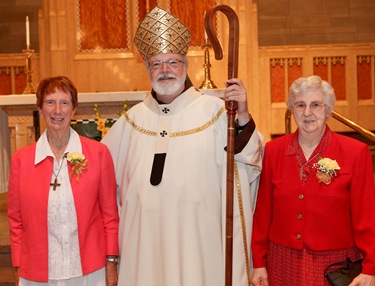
(113, 259)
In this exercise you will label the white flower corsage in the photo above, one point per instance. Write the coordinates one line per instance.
(78, 162)
(326, 170)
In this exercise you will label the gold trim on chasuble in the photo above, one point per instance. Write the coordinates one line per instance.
(243, 222)
(175, 134)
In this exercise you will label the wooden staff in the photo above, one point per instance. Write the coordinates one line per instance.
(231, 107)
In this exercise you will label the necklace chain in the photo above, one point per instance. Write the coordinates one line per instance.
(55, 183)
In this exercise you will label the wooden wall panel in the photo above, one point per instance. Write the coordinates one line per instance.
(103, 25)
(283, 73)
(332, 69)
(338, 80)
(364, 76)
(294, 71)
(21, 82)
(12, 79)
(277, 80)
(321, 68)
(5, 83)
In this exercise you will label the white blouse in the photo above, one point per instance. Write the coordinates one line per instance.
(64, 262)
(63, 248)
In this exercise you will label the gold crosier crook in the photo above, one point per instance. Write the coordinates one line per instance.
(231, 107)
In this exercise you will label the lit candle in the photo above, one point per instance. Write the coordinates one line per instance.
(205, 33)
(27, 32)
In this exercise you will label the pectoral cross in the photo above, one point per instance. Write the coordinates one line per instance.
(55, 184)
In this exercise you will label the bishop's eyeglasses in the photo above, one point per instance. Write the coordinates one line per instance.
(171, 63)
(314, 106)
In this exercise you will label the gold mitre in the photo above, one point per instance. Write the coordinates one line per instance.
(160, 33)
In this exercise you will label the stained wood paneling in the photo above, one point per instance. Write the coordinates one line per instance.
(5, 84)
(338, 80)
(277, 81)
(364, 76)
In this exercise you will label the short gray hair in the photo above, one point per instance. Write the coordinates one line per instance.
(312, 83)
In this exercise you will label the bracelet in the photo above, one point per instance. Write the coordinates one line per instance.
(113, 259)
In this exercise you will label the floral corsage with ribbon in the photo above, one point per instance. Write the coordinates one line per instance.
(78, 162)
(326, 170)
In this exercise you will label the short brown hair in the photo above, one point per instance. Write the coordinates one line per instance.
(57, 83)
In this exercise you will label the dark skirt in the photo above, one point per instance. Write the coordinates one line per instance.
(286, 266)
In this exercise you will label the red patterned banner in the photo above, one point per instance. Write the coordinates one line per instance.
(103, 25)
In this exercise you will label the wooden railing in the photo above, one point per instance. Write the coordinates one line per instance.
(360, 129)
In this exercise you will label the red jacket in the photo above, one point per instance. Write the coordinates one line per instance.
(322, 217)
(95, 202)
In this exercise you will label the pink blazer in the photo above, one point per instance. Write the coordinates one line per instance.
(96, 208)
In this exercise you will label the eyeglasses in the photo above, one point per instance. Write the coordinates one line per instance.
(171, 63)
(314, 106)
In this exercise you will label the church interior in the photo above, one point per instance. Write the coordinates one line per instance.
(279, 41)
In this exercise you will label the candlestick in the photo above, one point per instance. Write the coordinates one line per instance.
(147, 6)
(207, 83)
(29, 89)
(27, 32)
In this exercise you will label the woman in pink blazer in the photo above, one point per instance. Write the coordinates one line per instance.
(62, 206)
(316, 200)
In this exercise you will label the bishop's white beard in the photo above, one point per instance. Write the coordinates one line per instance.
(167, 83)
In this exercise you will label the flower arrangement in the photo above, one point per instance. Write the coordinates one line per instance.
(326, 170)
(103, 125)
(78, 162)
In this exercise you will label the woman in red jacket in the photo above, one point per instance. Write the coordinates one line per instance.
(316, 201)
(62, 206)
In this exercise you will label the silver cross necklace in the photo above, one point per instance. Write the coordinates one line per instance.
(55, 184)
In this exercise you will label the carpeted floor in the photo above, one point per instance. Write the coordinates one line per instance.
(4, 227)
(7, 277)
